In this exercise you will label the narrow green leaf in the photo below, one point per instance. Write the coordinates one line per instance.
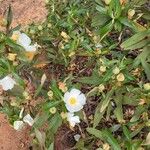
(106, 100)
(138, 45)
(111, 140)
(135, 39)
(101, 9)
(9, 17)
(95, 132)
(51, 104)
(126, 133)
(106, 29)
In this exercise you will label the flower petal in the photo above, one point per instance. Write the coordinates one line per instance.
(31, 48)
(28, 119)
(82, 99)
(75, 92)
(18, 125)
(66, 97)
(24, 40)
(72, 119)
(7, 83)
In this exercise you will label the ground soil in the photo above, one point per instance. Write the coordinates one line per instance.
(11, 139)
(24, 11)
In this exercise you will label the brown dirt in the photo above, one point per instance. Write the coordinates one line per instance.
(24, 11)
(11, 139)
(64, 138)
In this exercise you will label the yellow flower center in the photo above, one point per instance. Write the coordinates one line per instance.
(72, 101)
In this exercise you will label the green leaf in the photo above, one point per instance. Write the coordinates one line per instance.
(142, 58)
(146, 67)
(106, 29)
(9, 17)
(126, 133)
(41, 138)
(51, 104)
(106, 100)
(115, 9)
(93, 80)
(139, 110)
(101, 9)
(98, 115)
(137, 131)
(16, 48)
(101, 108)
(100, 20)
(95, 132)
(138, 45)
(105, 135)
(111, 140)
(127, 23)
(51, 147)
(40, 120)
(118, 110)
(55, 123)
(135, 39)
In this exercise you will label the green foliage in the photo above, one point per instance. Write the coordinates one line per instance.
(94, 46)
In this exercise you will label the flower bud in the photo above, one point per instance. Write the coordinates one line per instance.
(64, 35)
(101, 88)
(131, 13)
(72, 54)
(106, 146)
(63, 115)
(46, 1)
(50, 94)
(49, 25)
(120, 77)
(102, 69)
(62, 86)
(40, 27)
(53, 110)
(107, 2)
(146, 86)
(116, 70)
(25, 94)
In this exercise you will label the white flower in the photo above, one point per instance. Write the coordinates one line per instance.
(18, 125)
(7, 83)
(28, 119)
(25, 42)
(73, 120)
(74, 100)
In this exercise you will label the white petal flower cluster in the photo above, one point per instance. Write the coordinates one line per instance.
(23, 40)
(7, 83)
(74, 101)
(18, 125)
